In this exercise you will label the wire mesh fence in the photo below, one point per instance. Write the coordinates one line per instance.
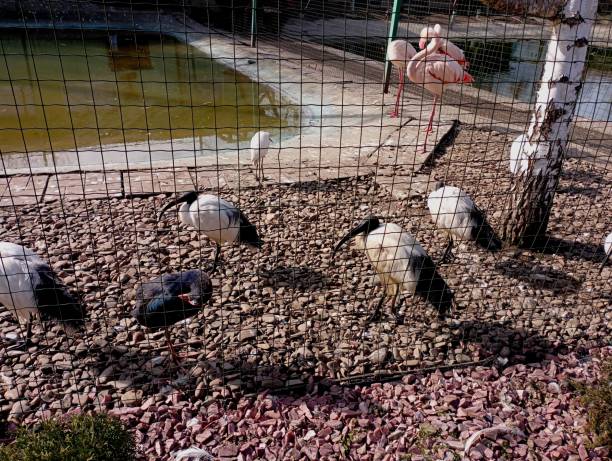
(111, 110)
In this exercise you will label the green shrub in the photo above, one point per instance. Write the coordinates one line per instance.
(80, 438)
(597, 398)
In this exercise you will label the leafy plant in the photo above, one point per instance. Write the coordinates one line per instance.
(597, 399)
(79, 438)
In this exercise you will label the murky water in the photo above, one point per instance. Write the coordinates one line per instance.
(63, 90)
(513, 69)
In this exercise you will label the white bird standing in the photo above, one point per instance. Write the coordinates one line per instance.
(402, 264)
(30, 289)
(399, 52)
(220, 220)
(607, 249)
(453, 211)
(260, 143)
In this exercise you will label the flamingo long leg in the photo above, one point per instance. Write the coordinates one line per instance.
(430, 124)
(395, 113)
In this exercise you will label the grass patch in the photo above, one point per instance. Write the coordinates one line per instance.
(79, 438)
(597, 399)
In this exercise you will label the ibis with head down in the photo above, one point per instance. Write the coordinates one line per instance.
(30, 289)
(403, 266)
(220, 220)
(169, 299)
(454, 212)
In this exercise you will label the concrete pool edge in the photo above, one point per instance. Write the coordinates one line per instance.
(213, 45)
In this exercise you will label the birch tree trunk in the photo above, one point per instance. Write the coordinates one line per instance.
(542, 153)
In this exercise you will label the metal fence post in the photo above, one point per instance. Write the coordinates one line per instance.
(395, 15)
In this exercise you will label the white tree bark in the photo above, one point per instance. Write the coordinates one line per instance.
(541, 153)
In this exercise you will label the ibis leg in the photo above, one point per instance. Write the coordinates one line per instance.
(397, 302)
(400, 90)
(376, 314)
(216, 262)
(448, 252)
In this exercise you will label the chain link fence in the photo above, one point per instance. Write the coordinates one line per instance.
(110, 110)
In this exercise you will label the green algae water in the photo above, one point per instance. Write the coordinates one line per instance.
(68, 90)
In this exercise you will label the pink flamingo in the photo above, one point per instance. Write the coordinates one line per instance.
(434, 70)
(399, 52)
(447, 47)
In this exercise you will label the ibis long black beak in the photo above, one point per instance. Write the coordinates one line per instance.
(359, 229)
(166, 207)
(605, 261)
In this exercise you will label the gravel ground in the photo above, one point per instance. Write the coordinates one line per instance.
(287, 313)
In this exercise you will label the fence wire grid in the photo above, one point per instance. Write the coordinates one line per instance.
(110, 110)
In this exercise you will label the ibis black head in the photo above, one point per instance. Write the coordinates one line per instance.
(187, 197)
(364, 227)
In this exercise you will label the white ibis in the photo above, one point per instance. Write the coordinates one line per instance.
(446, 46)
(402, 265)
(399, 52)
(171, 298)
(260, 143)
(435, 70)
(453, 211)
(220, 220)
(608, 250)
(30, 289)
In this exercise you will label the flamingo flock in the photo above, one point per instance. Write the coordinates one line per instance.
(439, 63)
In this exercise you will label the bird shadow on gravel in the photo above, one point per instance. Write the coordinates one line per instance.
(569, 249)
(538, 276)
(519, 345)
(297, 277)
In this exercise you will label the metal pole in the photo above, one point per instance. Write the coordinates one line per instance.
(253, 22)
(395, 15)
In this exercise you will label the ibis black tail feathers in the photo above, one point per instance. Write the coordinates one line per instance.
(483, 233)
(432, 287)
(55, 302)
(248, 233)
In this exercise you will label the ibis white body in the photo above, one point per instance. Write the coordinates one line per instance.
(18, 278)
(218, 218)
(452, 211)
(30, 289)
(396, 256)
(402, 265)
